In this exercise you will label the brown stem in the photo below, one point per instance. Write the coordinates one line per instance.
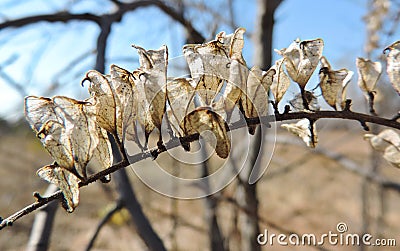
(175, 142)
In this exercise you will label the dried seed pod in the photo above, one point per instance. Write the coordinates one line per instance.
(332, 83)
(387, 142)
(368, 74)
(104, 100)
(393, 64)
(301, 59)
(281, 81)
(255, 99)
(298, 104)
(66, 181)
(180, 94)
(305, 131)
(150, 88)
(122, 84)
(203, 119)
(79, 120)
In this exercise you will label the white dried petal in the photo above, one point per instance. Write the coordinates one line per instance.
(100, 89)
(202, 119)
(304, 130)
(39, 110)
(255, 99)
(122, 83)
(302, 58)
(150, 88)
(387, 142)
(393, 65)
(332, 83)
(368, 74)
(56, 141)
(80, 127)
(281, 81)
(66, 181)
(180, 94)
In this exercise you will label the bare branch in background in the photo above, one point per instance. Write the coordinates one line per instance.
(103, 221)
(8, 79)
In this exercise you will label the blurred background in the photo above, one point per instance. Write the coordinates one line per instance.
(46, 46)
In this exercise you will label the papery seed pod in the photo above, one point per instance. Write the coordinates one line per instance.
(332, 83)
(66, 181)
(150, 81)
(387, 142)
(254, 99)
(101, 90)
(368, 74)
(202, 119)
(281, 81)
(305, 131)
(302, 58)
(393, 64)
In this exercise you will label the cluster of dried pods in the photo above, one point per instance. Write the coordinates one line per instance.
(124, 103)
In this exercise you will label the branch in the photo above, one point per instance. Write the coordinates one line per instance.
(56, 17)
(42, 225)
(106, 218)
(122, 8)
(175, 142)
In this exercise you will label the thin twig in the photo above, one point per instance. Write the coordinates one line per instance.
(175, 142)
(106, 218)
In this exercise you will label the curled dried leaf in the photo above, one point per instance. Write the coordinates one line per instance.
(304, 130)
(150, 88)
(236, 46)
(79, 120)
(254, 100)
(56, 141)
(302, 58)
(66, 181)
(387, 142)
(203, 119)
(392, 155)
(298, 104)
(393, 64)
(385, 138)
(368, 74)
(102, 155)
(122, 83)
(104, 100)
(332, 83)
(233, 90)
(238, 74)
(209, 67)
(67, 129)
(280, 82)
(39, 110)
(180, 94)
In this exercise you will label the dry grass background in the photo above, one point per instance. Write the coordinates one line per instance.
(312, 195)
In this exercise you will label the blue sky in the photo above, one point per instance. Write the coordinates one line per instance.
(338, 22)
